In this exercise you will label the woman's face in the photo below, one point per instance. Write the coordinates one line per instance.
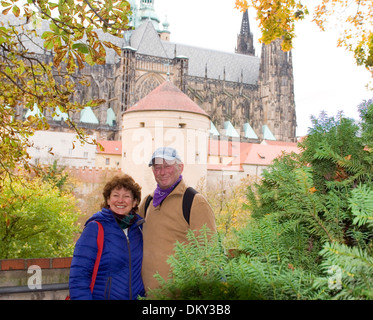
(121, 201)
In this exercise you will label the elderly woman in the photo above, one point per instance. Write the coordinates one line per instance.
(119, 271)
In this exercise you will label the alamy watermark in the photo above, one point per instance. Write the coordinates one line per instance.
(192, 144)
(34, 281)
(335, 279)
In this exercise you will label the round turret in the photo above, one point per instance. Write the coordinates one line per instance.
(165, 117)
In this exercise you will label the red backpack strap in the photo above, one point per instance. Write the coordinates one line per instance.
(100, 246)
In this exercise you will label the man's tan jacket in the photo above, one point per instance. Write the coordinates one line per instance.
(164, 225)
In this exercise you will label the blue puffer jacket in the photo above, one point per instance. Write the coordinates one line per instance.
(119, 272)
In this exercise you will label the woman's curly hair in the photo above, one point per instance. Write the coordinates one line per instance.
(122, 181)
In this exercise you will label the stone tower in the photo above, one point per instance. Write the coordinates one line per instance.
(165, 117)
(245, 39)
(147, 12)
(276, 106)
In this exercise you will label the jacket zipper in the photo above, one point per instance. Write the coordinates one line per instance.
(107, 289)
(130, 263)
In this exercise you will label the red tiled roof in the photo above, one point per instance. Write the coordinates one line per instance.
(261, 154)
(110, 147)
(167, 97)
(248, 153)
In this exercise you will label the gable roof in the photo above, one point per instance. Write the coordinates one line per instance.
(110, 117)
(267, 133)
(34, 112)
(169, 98)
(87, 116)
(219, 64)
(262, 154)
(145, 40)
(213, 130)
(245, 153)
(230, 131)
(249, 131)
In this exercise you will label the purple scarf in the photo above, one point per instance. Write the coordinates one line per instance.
(161, 194)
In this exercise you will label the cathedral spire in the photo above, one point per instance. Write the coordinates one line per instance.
(147, 12)
(245, 25)
(245, 39)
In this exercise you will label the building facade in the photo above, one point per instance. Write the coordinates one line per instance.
(254, 95)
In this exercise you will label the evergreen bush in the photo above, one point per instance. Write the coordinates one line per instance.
(309, 235)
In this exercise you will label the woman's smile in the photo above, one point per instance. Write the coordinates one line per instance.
(121, 201)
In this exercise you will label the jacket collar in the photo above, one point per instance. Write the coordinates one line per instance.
(107, 215)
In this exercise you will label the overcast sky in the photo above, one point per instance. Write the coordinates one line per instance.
(326, 77)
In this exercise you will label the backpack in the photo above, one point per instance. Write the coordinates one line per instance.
(187, 202)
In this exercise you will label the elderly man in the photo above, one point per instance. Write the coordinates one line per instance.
(167, 218)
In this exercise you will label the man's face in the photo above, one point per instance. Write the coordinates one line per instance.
(166, 173)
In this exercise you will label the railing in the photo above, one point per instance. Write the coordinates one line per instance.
(34, 279)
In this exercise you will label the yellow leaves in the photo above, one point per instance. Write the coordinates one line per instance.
(26, 80)
(77, 20)
(8, 6)
(242, 5)
(16, 11)
(357, 19)
(276, 19)
(312, 190)
(113, 46)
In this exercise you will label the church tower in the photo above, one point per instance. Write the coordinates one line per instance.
(245, 40)
(276, 92)
(147, 12)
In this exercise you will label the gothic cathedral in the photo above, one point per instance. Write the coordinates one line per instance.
(254, 95)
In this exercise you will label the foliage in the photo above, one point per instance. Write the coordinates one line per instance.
(309, 235)
(353, 265)
(277, 20)
(202, 270)
(28, 80)
(276, 260)
(55, 176)
(366, 114)
(337, 153)
(227, 201)
(37, 220)
(196, 269)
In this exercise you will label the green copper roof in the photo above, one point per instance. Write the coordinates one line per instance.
(110, 117)
(267, 134)
(249, 132)
(59, 115)
(230, 131)
(34, 111)
(213, 130)
(87, 116)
